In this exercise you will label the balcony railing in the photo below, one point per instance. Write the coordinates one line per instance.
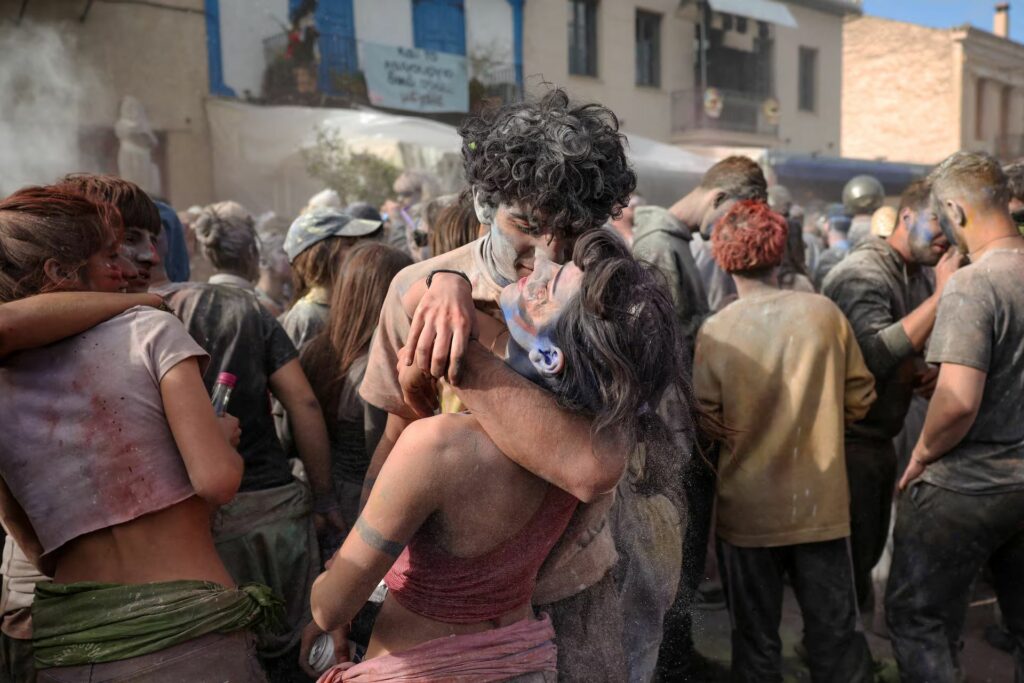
(497, 81)
(340, 76)
(737, 112)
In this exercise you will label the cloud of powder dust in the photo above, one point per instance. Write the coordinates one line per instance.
(42, 90)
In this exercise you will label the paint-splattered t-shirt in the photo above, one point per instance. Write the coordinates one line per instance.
(242, 338)
(980, 324)
(84, 442)
(783, 371)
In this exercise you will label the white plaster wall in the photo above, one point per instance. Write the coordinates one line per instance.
(643, 110)
(817, 131)
(388, 22)
(489, 32)
(157, 55)
(244, 24)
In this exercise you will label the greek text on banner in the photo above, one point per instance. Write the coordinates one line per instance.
(414, 79)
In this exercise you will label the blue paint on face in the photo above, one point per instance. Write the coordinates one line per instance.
(533, 305)
(926, 239)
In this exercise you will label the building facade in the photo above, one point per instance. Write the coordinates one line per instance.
(252, 34)
(157, 55)
(918, 94)
(713, 74)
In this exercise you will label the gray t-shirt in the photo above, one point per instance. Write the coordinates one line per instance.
(306, 318)
(980, 324)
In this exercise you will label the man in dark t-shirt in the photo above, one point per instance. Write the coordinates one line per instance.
(962, 500)
(244, 339)
(266, 534)
(872, 286)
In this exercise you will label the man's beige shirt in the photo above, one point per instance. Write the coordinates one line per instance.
(783, 371)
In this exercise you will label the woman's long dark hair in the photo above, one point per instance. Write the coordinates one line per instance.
(623, 351)
(356, 300)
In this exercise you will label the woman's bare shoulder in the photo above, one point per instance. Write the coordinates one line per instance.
(455, 440)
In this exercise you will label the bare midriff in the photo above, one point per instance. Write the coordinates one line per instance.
(397, 629)
(172, 544)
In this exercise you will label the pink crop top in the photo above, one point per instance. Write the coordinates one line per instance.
(84, 443)
(431, 582)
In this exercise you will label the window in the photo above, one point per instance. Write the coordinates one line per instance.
(439, 25)
(721, 64)
(808, 95)
(1005, 96)
(648, 48)
(583, 37)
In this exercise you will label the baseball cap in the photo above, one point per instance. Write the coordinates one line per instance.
(317, 225)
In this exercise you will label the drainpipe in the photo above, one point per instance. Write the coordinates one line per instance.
(517, 40)
(214, 59)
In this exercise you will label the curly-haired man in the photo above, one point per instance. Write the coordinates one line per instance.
(542, 173)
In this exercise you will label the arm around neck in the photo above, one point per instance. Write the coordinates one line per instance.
(526, 423)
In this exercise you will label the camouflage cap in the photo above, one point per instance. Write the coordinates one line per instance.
(317, 225)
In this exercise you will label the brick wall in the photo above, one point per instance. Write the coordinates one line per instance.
(900, 91)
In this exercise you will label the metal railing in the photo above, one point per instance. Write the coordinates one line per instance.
(498, 81)
(739, 112)
(340, 73)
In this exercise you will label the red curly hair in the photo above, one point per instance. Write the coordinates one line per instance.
(750, 238)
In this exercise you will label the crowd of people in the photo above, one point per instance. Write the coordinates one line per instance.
(497, 434)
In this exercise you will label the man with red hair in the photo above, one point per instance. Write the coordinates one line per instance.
(782, 370)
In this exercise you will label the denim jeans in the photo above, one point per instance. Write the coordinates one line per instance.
(941, 541)
(820, 574)
(871, 473)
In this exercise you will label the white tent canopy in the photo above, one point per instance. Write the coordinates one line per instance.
(258, 161)
(664, 172)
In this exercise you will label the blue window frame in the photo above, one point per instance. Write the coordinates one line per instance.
(336, 23)
(439, 25)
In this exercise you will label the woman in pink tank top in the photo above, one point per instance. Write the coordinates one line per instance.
(458, 531)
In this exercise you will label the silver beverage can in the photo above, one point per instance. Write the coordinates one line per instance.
(321, 655)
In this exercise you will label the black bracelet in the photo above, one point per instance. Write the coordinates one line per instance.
(430, 278)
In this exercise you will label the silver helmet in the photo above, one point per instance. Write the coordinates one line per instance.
(863, 194)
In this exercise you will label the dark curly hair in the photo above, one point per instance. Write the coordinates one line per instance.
(564, 162)
(750, 239)
(623, 351)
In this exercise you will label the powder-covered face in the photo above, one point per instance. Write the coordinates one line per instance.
(518, 240)
(925, 237)
(140, 248)
(105, 271)
(532, 307)
(949, 221)
(409, 194)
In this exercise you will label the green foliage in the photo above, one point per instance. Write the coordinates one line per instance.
(355, 176)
